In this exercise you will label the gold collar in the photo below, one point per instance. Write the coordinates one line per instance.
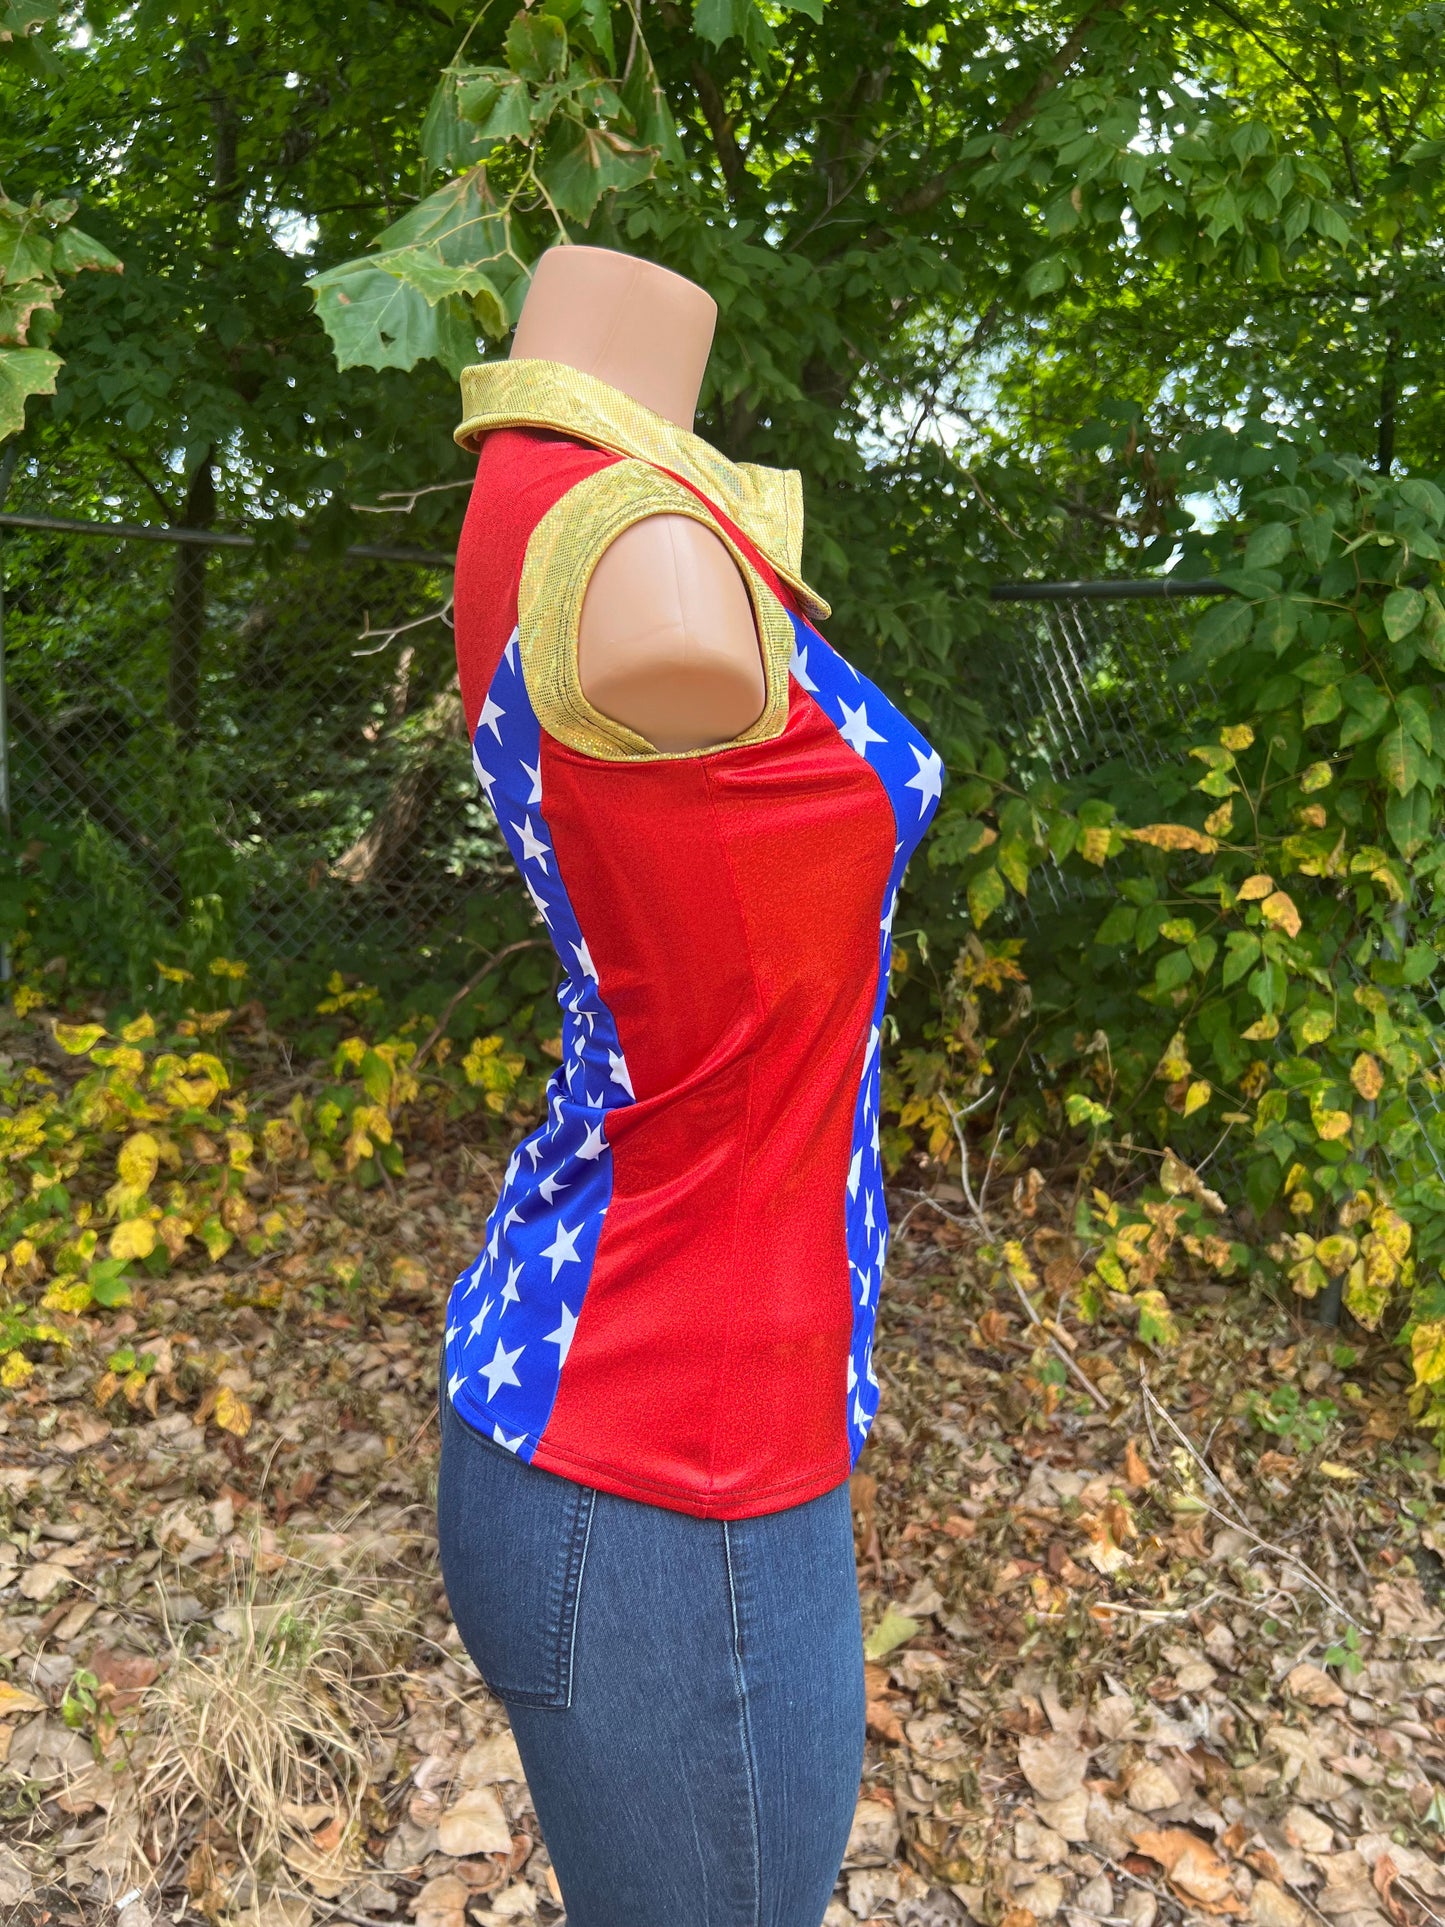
(766, 503)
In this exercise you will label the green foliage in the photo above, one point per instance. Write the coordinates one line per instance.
(38, 249)
(1307, 1423)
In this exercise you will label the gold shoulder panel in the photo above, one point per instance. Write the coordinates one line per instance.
(766, 503)
(565, 547)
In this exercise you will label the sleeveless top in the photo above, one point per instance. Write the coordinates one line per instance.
(676, 1297)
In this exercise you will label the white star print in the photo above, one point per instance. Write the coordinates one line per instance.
(488, 717)
(854, 1172)
(511, 1444)
(860, 1417)
(562, 1337)
(550, 1186)
(593, 1103)
(533, 1150)
(799, 667)
(584, 960)
(514, 1216)
(534, 795)
(484, 776)
(563, 1248)
(868, 1211)
(510, 652)
(452, 1331)
(855, 728)
(452, 1383)
(481, 1317)
(510, 1294)
(927, 779)
(534, 850)
(617, 1064)
(852, 1374)
(594, 1144)
(494, 1242)
(544, 909)
(499, 1371)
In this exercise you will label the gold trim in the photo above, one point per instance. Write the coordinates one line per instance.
(565, 548)
(766, 503)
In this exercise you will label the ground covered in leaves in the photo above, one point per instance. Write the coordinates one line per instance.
(1152, 1638)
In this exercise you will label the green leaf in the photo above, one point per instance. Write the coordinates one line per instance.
(1173, 970)
(536, 46)
(1316, 536)
(985, 894)
(1424, 497)
(593, 162)
(377, 321)
(1403, 611)
(1277, 621)
(1241, 949)
(720, 20)
(75, 251)
(498, 106)
(1219, 632)
(1268, 546)
(1321, 706)
(1368, 708)
(108, 1282)
(1399, 759)
(447, 143)
(1118, 926)
(23, 372)
(1046, 276)
(1407, 818)
(812, 8)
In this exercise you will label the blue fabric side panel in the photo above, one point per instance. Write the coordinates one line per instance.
(512, 1312)
(911, 773)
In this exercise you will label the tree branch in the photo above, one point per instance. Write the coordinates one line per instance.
(928, 193)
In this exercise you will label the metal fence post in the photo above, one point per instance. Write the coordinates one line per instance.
(7, 469)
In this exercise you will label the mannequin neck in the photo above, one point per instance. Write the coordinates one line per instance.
(638, 327)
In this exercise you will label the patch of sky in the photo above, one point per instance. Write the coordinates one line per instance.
(292, 231)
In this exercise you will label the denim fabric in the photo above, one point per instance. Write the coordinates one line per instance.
(687, 1694)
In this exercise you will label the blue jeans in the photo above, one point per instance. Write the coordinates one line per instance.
(686, 1694)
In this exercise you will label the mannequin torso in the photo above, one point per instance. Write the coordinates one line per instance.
(667, 642)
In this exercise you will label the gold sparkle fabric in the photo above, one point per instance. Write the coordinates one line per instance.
(564, 549)
(765, 503)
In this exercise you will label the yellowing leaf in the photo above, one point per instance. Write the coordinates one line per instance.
(1331, 1124)
(1253, 888)
(1392, 1230)
(1315, 1026)
(137, 1160)
(1094, 843)
(1337, 1253)
(1196, 1097)
(232, 1413)
(1367, 1077)
(1221, 821)
(1262, 1029)
(142, 1027)
(136, 1238)
(14, 1700)
(76, 1039)
(1280, 910)
(1318, 776)
(1427, 1348)
(891, 1631)
(16, 1372)
(1333, 1471)
(1174, 836)
(1237, 736)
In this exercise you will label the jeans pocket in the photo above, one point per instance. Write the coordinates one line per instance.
(513, 1543)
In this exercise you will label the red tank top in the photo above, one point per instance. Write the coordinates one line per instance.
(677, 1293)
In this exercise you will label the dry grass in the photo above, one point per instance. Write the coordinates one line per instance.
(258, 1749)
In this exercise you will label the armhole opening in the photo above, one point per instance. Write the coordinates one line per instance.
(564, 549)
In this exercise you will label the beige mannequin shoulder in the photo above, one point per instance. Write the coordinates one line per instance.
(667, 642)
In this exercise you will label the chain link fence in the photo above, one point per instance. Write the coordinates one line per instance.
(271, 752)
(199, 736)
